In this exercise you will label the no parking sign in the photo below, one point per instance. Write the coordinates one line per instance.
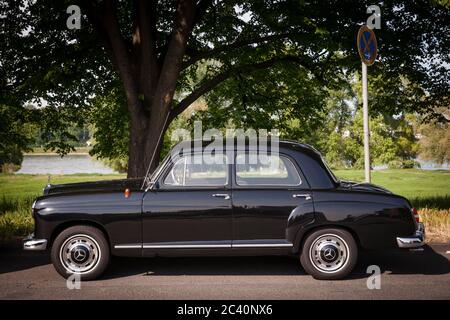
(367, 45)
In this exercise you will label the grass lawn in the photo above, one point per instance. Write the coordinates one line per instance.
(30, 185)
(429, 191)
(410, 183)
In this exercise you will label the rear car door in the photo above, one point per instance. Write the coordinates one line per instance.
(265, 194)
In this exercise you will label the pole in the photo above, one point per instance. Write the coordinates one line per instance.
(366, 123)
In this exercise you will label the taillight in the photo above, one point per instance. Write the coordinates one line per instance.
(415, 214)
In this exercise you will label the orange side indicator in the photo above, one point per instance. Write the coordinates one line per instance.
(127, 193)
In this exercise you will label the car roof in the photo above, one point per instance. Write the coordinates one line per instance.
(200, 145)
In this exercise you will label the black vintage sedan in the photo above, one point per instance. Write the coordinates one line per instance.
(288, 204)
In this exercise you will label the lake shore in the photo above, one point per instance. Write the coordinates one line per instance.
(38, 151)
(73, 163)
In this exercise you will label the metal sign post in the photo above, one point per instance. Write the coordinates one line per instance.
(366, 123)
(367, 48)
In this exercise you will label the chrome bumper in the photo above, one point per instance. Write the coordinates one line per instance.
(414, 241)
(30, 243)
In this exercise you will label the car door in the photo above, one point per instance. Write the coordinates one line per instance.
(190, 210)
(265, 194)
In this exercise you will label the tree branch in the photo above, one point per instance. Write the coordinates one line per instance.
(202, 6)
(172, 61)
(144, 38)
(102, 16)
(235, 45)
(200, 11)
(216, 80)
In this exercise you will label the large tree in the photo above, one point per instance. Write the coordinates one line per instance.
(154, 49)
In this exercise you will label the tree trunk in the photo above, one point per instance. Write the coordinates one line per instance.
(136, 147)
(146, 141)
(149, 85)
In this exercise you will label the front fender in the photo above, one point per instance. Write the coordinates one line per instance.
(120, 217)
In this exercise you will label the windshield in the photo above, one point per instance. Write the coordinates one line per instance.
(151, 177)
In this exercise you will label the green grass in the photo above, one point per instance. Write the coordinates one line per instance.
(429, 191)
(17, 193)
(30, 185)
(411, 183)
(424, 188)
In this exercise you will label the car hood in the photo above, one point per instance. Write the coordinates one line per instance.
(93, 186)
(362, 186)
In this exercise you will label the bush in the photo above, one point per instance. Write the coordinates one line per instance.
(118, 164)
(437, 224)
(9, 167)
(10, 159)
(15, 217)
(403, 164)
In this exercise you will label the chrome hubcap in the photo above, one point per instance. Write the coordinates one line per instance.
(80, 254)
(329, 253)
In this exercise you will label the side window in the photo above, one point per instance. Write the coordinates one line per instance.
(270, 170)
(186, 173)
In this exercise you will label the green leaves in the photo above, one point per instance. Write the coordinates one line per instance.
(280, 59)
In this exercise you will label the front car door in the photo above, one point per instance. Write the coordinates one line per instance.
(190, 211)
(269, 194)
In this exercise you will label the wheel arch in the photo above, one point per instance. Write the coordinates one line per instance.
(302, 237)
(67, 224)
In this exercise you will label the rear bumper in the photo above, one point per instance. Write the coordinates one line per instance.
(33, 244)
(414, 241)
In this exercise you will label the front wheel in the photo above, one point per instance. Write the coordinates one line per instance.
(81, 250)
(329, 254)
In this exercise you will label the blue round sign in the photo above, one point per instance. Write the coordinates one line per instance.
(367, 45)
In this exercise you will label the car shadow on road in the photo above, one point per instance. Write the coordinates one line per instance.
(260, 265)
(427, 262)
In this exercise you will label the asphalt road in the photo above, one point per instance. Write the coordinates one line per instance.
(405, 275)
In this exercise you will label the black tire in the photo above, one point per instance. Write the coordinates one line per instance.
(318, 250)
(74, 242)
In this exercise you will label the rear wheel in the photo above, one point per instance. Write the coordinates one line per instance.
(329, 254)
(81, 250)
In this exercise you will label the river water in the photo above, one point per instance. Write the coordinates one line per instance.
(54, 164)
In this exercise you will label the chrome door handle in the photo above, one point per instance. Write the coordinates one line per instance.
(221, 195)
(307, 196)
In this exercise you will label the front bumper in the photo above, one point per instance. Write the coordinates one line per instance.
(31, 243)
(414, 241)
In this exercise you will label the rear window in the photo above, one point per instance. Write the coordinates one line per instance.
(267, 170)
